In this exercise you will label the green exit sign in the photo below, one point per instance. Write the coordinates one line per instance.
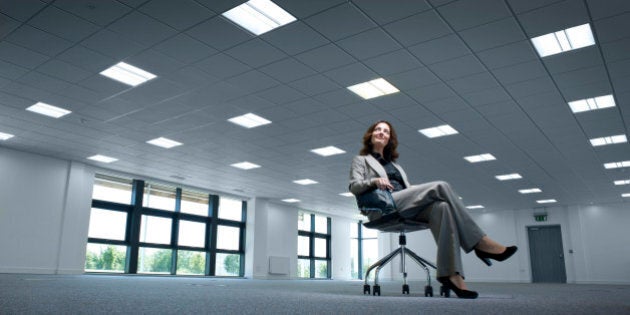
(540, 217)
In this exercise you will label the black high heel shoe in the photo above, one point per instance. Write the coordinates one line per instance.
(485, 257)
(462, 294)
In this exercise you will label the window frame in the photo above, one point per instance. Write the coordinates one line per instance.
(312, 235)
(135, 210)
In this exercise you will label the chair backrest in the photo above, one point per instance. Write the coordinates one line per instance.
(393, 222)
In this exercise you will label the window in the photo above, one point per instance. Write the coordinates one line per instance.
(194, 203)
(107, 224)
(109, 188)
(364, 249)
(159, 197)
(313, 246)
(153, 228)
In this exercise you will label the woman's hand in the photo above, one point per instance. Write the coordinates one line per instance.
(382, 183)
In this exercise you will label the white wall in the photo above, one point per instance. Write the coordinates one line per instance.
(44, 213)
(271, 231)
(594, 239)
(45, 207)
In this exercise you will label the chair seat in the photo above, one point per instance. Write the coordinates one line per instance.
(393, 222)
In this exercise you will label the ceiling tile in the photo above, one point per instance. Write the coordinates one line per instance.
(487, 96)
(553, 18)
(287, 70)
(314, 85)
(284, 37)
(384, 12)
(393, 62)
(508, 55)
(281, 94)
(418, 28)
(256, 53)
(98, 12)
(466, 14)
(325, 58)
(20, 56)
(112, 45)
(219, 33)
(456, 68)
(612, 28)
(304, 9)
(520, 72)
(368, 44)
(441, 49)
(39, 41)
(142, 29)
(21, 10)
(185, 48)
(63, 24)
(474, 82)
(351, 74)
(530, 87)
(222, 66)
(253, 81)
(87, 59)
(339, 22)
(179, 15)
(493, 34)
(603, 9)
(412, 79)
(430, 93)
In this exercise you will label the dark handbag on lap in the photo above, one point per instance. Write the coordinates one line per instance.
(376, 200)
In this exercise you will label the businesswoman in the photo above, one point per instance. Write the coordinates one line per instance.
(433, 202)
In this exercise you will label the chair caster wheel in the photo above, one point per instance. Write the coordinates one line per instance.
(428, 291)
(376, 289)
(405, 289)
(366, 289)
(445, 292)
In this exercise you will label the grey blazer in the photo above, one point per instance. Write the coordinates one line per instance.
(364, 169)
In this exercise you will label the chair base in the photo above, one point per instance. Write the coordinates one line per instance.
(403, 252)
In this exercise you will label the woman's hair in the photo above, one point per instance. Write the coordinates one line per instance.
(389, 152)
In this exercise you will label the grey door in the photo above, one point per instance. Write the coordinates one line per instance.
(546, 254)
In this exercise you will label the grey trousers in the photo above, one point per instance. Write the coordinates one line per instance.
(451, 225)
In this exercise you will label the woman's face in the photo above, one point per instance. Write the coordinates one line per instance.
(380, 136)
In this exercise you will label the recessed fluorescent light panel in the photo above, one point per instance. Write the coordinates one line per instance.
(375, 88)
(509, 176)
(565, 40)
(328, 151)
(626, 195)
(592, 103)
(259, 16)
(475, 207)
(245, 165)
(103, 158)
(127, 74)
(530, 191)
(622, 182)
(596, 142)
(546, 201)
(5, 136)
(305, 181)
(439, 131)
(48, 110)
(346, 194)
(291, 200)
(480, 158)
(249, 120)
(164, 142)
(621, 164)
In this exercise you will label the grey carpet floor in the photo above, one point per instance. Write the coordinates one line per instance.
(119, 294)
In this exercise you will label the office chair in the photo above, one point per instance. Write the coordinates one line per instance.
(393, 222)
